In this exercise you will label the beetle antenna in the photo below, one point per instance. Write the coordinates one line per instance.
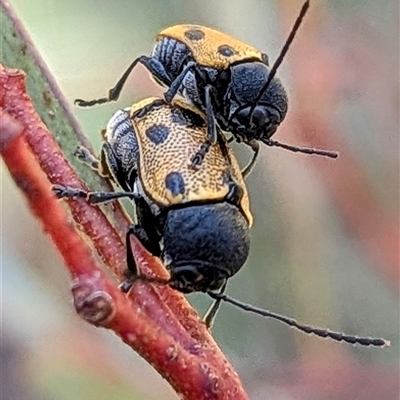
(323, 333)
(305, 150)
(311, 330)
(283, 52)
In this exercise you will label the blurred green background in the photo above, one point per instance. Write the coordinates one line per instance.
(325, 246)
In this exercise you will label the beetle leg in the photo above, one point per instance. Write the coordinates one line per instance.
(211, 125)
(113, 93)
(85, 156)
(235, 193)
(66, 192)
(176, 83)
(255, 146)
(145, 231)
(132, 272)
(156, 69)
(209, 316)
(198, 158)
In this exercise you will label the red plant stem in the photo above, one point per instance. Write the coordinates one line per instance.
(16, 102)
(157, 323)
(31, 180)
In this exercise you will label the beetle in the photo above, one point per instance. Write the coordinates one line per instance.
(229, 81)
(196, 220)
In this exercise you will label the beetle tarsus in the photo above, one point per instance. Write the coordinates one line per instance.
(85, 156)
(68, 192)
(198, 158)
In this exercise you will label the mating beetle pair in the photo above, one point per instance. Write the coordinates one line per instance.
(196, 220)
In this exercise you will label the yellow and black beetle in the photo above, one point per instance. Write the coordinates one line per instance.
(196, 220)
(227, 80)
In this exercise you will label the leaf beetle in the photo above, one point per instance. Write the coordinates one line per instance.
(196, 220)
(227, 80)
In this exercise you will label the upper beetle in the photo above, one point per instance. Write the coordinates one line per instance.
(196, 220)
(230, 82)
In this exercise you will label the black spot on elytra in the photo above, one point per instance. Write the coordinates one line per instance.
(194, 34)
(226, 50)
(174, 183)
(157, 133)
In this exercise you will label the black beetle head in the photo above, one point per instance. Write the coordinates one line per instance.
(196, 277)
(204, 245)
(258, 123)
(255, 111)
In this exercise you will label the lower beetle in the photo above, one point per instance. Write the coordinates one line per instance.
(196, 220)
